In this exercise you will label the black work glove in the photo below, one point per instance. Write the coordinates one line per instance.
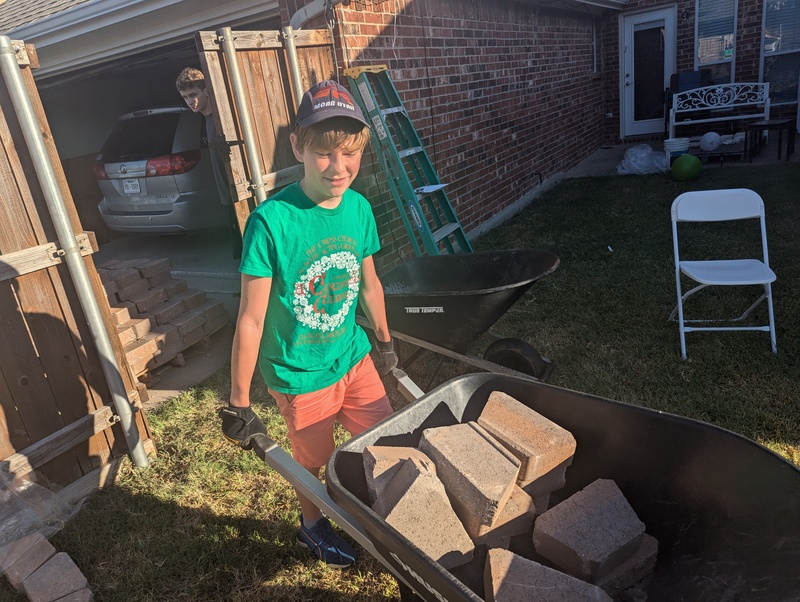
(384, 356)
(239, 425)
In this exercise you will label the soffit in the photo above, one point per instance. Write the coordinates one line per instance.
(91, 33)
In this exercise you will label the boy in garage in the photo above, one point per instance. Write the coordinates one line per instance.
(191, 85)
(307, 259)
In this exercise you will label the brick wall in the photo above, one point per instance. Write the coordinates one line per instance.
(503, 96)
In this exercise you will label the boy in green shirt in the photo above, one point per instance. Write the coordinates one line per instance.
(307, 259)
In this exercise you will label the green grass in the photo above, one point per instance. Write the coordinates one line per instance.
(209, 522)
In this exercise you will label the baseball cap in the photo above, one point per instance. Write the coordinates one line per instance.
(325, 100)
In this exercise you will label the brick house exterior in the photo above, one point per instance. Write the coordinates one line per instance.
(509, 95)
(506, 95)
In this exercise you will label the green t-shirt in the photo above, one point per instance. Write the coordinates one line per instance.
(313, 255)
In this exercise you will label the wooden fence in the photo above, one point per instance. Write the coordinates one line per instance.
(262, 63)
(56, 415)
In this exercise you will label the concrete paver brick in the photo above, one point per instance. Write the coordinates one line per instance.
(477, 471)
(84, 595)
(416, 504)
(188, 321)
(381, 463)
(125, 277)
(12, 551)
(591, 533)
(191, 298)
(56, 578)
(162, 278)
(540, 444)
(633, 570)
(121, 313)
(28, 562)
(549, 482)
(215, 323)
(128, 264)
(194, 336)
(110, 287)
(134, 329)
(129, 292)
(512, 578)
(516, 517)
(168, 311)
(148, 298)
(150, 268)
(139, 353)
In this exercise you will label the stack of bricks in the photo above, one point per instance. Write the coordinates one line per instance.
(157, 316)
(34, 569)
(495, 476)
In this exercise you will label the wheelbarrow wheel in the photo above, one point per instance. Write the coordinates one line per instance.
(517, 355)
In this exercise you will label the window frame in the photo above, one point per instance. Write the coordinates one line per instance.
(763, 59)
(729, 61)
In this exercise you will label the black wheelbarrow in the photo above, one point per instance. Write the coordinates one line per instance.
(443, 303)
(725, 511)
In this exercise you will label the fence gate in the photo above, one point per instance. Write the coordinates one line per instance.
(248, 71)
(55, 405)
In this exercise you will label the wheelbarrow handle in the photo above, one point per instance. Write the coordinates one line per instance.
(311, 487)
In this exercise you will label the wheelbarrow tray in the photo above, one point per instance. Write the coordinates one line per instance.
(450, 300)
(725, 510)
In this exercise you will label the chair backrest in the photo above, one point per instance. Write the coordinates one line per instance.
(717, 205)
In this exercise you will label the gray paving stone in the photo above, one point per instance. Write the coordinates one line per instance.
(415, 503)
(633, 570)
(12, 551)
(477, 471)
(381, 463)
(591, 533)
(28, 562)
(84, 595)
(515, 518)
(56, 578)
(540, 444)
(512, 578)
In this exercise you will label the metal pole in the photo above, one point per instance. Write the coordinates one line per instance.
(294, 67)
(72, 254)
(225, 36)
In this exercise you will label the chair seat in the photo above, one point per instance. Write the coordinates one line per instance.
(733, 272)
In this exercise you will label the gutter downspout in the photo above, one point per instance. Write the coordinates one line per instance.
(300, 18)
(225, 37)
(72, 254)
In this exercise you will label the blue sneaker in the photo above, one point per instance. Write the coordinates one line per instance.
(324, 543)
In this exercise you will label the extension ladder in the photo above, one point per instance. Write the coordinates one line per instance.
(417, 191)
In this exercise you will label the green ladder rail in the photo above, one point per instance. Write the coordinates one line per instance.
(423, 205)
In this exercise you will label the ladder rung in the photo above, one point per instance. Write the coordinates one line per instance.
(444, 231)
(409, 151)
(391, 110)
(426, 190)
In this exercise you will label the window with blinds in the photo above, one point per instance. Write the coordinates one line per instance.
(780, 50)
(715, 38)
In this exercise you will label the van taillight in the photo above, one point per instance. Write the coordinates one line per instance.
(172, 165)
(100, 170)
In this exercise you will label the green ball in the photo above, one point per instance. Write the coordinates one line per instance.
(686, 167)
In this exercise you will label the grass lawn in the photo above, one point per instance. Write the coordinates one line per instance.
(209, 522)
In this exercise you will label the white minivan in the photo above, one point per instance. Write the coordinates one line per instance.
(156, 176)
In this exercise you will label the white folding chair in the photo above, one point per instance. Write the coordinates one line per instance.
(720, 206)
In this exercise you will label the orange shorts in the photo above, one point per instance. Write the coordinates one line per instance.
(358, 401)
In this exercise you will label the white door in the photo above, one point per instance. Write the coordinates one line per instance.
(647, 62)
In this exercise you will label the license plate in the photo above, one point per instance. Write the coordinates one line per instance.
(131, 187)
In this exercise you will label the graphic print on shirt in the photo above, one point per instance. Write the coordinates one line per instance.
(326, 290)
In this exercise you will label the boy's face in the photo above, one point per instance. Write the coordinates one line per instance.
(327, 173)
(197, 100)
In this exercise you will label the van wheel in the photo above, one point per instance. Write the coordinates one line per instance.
(517, 355)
